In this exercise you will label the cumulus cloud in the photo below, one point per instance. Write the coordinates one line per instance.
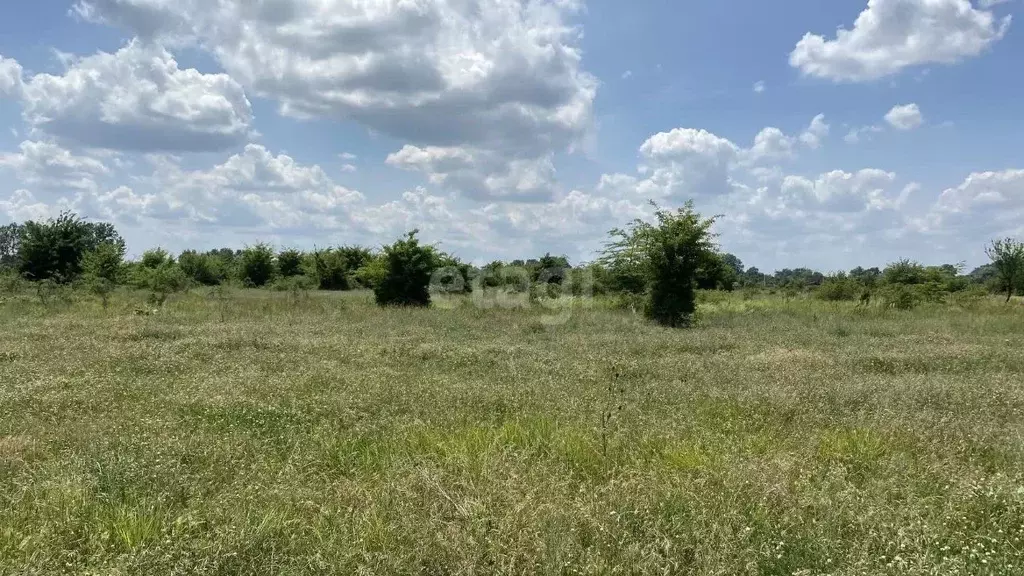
(760, 86)
(891, 35)
(494, 77)
(815, 132)
(10, 77)
(480, 173)
(44, 164)
(134, 99)
(904, 117)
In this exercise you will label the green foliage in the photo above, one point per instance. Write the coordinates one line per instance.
(451, 275)
(904, 271)
(205, 269)
(53, 250)
(373, 273)
(668, 256)
(10, 243)
(155, 258)
(1007, 256)
(902, 296)
(105, 262)
(409, 268)
(256, 265)
(289, 263)
(839, 287)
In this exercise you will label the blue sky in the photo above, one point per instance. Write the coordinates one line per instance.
(508, 128)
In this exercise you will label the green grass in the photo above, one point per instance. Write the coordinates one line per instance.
(262, 433)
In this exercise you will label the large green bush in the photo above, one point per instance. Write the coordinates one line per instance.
(409, 268)
(104, 262)
(668, 255)
(205, 269)
(53, 250)
(256, 265)
(289, 263)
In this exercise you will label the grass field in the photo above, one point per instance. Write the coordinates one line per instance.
(264, 433)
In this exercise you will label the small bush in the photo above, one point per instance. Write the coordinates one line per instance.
(202, 268)
(839, 288)
(901, 297)
(105, 262)
(409, 267)
(256, 266)
(289, 263)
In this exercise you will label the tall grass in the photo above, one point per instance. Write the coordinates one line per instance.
(257, 433)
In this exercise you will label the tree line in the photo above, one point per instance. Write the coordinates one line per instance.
(659, 264)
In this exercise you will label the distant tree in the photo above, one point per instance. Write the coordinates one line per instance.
(289, 263)
(867, 277)
(103, 233)
(104, 262)
(1007, 256)
(904, 271)
(409, 268)
(155, 258)
(667, 254)
(733, 262)
(206, 269)
(53, 250)
(10, 242)
(256, 264)
(549, 269)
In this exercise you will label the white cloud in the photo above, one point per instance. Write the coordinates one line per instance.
(496, 77)
(480, 173)
(348, 168)
(904, 117)
(44, 164)
(771, 144)
(760, 86)
(22, 206)
(856, 134)
(10, 77)
(891, 35)
(347, 156)
(815, 132)
(627, 74)
(137, 99)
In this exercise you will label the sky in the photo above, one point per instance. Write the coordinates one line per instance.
(824, 134)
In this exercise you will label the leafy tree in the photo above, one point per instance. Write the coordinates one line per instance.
(10, 242)
(155, 258)
(98, 233)
(667, 255)
(839, 287)
(372, 274)
(104, 262)
(549, 269)
(256, 264)
(53, 250)
(1007, 256)
(904, 271)
(733, 262)
(289, 263)
(451, 275)
(409, 267)
(330, 269)
(206, 269)
(868, 277)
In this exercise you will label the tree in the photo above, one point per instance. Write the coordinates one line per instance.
(53, 250)
(206, 269)
(409, 268)
(104, 262)
(289, 263)
(257, 264)
(155, 258)
(10, 241)
(904, 271)
(1007, 256)
(667, 255)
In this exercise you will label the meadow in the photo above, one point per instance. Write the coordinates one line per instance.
(260, 432)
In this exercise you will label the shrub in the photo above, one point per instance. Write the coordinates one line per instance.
(839, 287)
(1008, 259)
(204, 269)
(53, 250)
(409, 267)
(256, 266)
(155, 258)
(901, 297)
(289, 263)
(667, 255)
(105, 262)
(330, 269)
(372, 274)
